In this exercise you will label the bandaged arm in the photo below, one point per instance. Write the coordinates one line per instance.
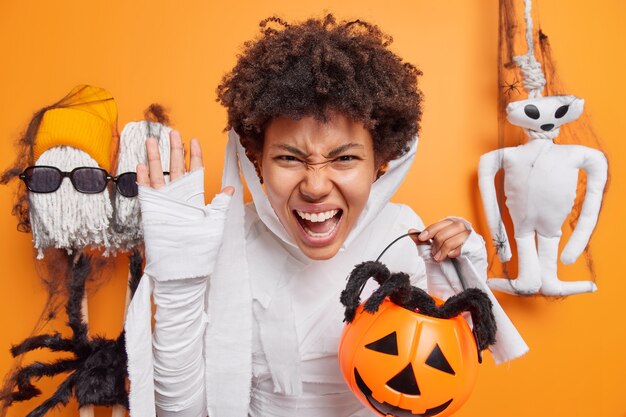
(182, 238)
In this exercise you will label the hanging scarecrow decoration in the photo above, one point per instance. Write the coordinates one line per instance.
(70, 221)
(540, 185)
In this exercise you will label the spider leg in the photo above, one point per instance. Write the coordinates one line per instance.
(350, 297)
(479, 306)
(26, 390)
(54, 342)
(398, 286)
(420, 300)
(60, 396)
(79, 271)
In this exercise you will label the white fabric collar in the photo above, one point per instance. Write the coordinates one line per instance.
(229, 332)
(381, 192)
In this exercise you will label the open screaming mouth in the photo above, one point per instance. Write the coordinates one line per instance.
(386, 409)
(318, 225)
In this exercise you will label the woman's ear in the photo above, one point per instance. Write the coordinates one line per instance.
(382, 169)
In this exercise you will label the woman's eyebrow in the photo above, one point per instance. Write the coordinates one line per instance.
(294, 150)
(332, 154)
(341, 149)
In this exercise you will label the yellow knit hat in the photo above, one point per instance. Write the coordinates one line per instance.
(85, 119)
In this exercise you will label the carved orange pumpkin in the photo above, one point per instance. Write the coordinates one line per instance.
(401, 363)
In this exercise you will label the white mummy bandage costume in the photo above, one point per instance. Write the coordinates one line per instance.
(246, 325)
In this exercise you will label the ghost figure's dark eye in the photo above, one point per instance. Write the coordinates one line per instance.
(387, 344)
(438, 361)
(561, 111)
(531, 111)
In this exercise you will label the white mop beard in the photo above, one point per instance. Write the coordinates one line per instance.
(127, 229)
(67, 219)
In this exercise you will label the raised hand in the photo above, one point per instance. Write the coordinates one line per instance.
(151, 175)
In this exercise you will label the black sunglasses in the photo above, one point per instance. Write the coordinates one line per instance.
(87, 180)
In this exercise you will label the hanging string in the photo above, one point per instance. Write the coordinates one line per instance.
(533, 77)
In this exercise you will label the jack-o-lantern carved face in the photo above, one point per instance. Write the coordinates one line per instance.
(401, 363)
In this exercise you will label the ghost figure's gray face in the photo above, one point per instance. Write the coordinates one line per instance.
(66, 218)
(544, 114)
(132, 151)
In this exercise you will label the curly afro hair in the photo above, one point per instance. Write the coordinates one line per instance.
(320, 66)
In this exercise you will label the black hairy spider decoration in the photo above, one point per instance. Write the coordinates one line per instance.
(98, 365)
(398, 288)
(510, 87)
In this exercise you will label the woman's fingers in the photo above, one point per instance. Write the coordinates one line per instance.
(142, 175)
(177, 156)
(432, 230)
(154, 164)
(195, 160)
(447, 237)
(451, 248)
(152, 175)
(415, 237)
(442, 235)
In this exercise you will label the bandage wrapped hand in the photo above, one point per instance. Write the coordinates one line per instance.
(182, 235)
(182, 238)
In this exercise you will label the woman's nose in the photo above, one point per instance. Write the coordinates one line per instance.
(315, 185)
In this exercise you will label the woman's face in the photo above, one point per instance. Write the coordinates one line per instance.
(317, 178)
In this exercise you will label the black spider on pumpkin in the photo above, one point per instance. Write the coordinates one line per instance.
(98, 366)
(398, 288)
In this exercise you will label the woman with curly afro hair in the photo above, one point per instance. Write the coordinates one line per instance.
(323, 121)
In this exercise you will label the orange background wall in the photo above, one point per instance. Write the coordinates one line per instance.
(176, 52)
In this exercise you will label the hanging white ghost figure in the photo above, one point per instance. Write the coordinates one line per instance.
(127, 229)
(540, 186)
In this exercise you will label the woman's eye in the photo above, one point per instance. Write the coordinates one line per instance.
(346, 158)
(290, 159)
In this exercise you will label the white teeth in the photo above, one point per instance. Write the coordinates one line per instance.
(317, 217)
(320, 235)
